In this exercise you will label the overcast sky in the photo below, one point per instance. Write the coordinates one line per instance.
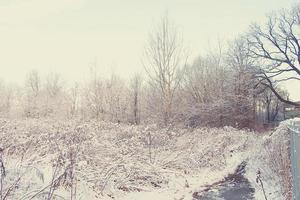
(64, 36)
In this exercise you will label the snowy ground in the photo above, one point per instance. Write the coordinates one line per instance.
(99, 160)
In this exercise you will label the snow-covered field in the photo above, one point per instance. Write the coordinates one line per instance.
(100, 160)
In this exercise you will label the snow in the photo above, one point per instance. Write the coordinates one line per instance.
(117, 161)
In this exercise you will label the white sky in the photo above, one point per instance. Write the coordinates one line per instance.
(64, 36)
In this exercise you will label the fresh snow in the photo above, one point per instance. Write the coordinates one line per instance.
(116, 161)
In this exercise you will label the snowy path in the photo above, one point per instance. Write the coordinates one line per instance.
(234, 187)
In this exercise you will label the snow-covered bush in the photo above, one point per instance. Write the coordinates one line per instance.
(100, 160)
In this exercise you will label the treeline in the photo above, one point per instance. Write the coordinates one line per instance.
(235, 84)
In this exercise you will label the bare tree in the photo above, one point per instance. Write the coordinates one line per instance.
(116, 98)
(74, 99)
(94, 95)
(54, 96)
(277, 49)
(243, 83)
(33, 93)
(203, 79)
(54, 84)
(33, 82)
(272, 105)
(6, 98)
(136, 84)
(164, 59)
(205, 85)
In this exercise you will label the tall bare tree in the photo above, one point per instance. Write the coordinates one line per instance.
(54, 84)
(272, 105)
(204, 78)
(94, 95)
(116, 98)
(136, 84)
(33, 82)
(33, 87)
(74, 99)
(6, 98)
(276, 47)
(164, 59)
(243, 83)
